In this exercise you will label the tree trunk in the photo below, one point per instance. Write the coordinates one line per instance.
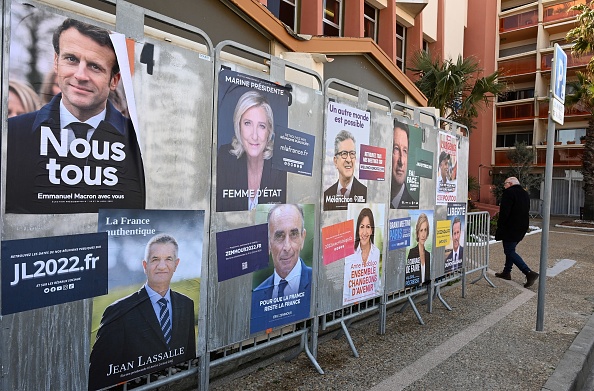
(588, 171)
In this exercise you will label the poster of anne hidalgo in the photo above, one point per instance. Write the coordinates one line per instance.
(249, 110)
(72, 145)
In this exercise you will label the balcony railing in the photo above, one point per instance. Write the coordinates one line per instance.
(543, 111)
(563, 156)
(561, 11)
(515, 112)
(572, 60)
(518, 21)
(520, 66)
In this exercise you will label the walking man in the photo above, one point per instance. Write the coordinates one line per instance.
(511, 228)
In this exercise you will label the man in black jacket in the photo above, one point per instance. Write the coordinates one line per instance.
(511, 228)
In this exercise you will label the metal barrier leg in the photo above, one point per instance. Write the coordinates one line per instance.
(414, 308)
(309, 355)
(204, 371)
(484, 275)
(349, 339)
(464, 282)
(430, 297)
(382, 315)
(440, 297)
(315, 330)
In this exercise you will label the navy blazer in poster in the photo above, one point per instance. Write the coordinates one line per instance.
(109, 175)
(232, 175)
(130, 341)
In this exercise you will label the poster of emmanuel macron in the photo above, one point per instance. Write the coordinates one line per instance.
(77, 153)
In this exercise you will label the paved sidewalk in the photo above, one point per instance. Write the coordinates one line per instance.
(487, 342)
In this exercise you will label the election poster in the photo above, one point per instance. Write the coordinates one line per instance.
(362, 269)
(42, 272)
(418, 254)
(281, 292)
(405, 185)
(338, 241)
(241, 251)
(148, 320)
(447, 168)
(457, 222)
(72, 144)
(347, 135)
(399, 233)
(252, 113)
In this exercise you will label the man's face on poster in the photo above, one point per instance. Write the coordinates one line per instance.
(443, 169)
(83, 68)
(286, 237)
(399, 156)
(456, 229)
(346, 165)
(161, 264)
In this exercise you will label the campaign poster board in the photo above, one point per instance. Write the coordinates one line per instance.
(51, 168)
(456, 212)
(348, 129)
(42, 272)
(363, 269)
(127, 339)
(447, 168)
(291, 251)
(252, 112)
(418, 254)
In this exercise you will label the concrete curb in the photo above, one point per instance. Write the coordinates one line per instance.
(575, 365)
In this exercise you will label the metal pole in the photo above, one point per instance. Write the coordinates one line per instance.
(546, 214)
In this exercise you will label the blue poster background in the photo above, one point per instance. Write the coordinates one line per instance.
(293, 151)
(242, 251)
(41, 272)
(399, 233)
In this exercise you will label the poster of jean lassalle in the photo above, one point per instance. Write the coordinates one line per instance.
(363, 269)
(72, 144)
(148, 320)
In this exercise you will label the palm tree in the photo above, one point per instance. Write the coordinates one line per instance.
(583, 99)
(455, 88)
(582, 37)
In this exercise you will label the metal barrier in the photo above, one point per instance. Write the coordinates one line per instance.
(476, 252)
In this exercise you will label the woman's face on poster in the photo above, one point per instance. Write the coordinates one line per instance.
(254, 131)
(365, 231)
(423, 233)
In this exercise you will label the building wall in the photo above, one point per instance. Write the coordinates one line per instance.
(480, 41)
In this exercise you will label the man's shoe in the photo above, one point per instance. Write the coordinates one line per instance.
(531, 278)
(504, 275)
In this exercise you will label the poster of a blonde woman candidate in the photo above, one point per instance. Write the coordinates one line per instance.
(249, 112)
(148, 319)
(362, 270)
(418, 254)
(79, 151)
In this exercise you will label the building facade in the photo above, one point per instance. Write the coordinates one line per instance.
(526, 32)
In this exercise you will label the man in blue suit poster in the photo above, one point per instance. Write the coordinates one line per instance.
(78, 153)
(284, 297)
